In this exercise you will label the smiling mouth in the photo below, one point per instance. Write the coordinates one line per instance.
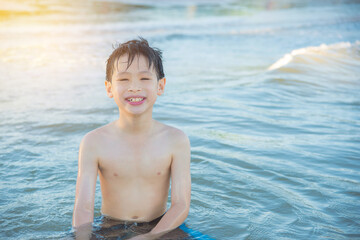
(137, 99)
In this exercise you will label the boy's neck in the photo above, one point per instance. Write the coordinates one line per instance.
(142, 124)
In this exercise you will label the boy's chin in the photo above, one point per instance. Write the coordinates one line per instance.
(137, 112)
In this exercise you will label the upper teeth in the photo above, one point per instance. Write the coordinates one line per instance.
(135, 99)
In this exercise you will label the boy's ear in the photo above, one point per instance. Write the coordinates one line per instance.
(108, 89)
(161, 86)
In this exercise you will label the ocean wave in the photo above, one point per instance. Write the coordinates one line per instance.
(343, 54)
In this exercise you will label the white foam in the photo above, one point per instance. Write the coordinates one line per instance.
(313, 53)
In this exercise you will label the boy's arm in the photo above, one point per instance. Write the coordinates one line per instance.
(180, 188)
(86, 183)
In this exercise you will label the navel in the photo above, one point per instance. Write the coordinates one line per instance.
(135, 217)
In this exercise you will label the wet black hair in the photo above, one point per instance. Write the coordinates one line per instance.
(135, 48)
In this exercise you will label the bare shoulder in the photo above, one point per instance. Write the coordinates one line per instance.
(175, 136)
(96, 136)
(178, 144)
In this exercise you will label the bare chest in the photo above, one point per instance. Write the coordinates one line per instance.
(130, 160)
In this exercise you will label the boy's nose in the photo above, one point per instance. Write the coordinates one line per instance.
(134, 88)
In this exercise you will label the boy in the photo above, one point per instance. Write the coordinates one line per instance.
(135, 155)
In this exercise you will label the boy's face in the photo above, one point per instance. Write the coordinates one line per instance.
(136, 88)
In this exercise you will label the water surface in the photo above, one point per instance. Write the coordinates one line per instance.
(268, 92)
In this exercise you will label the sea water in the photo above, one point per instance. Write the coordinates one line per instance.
(267, 91)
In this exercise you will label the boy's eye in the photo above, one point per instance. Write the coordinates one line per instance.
(123, 79)
(145, 78)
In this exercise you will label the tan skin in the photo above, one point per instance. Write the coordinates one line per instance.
(135, 157)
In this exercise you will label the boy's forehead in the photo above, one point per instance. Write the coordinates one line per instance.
(140, 63)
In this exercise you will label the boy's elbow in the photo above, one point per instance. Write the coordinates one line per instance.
(185, 211)
(183, 204)
(183, 208)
